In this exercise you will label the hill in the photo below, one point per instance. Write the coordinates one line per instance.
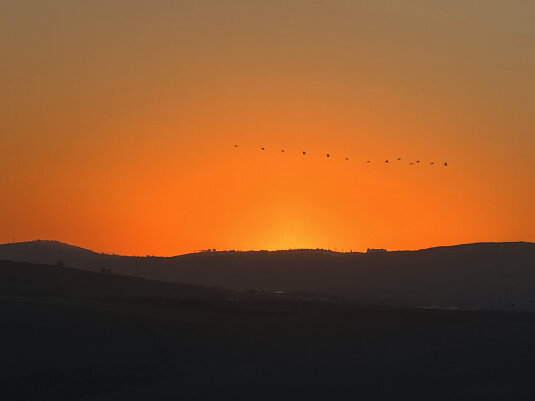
(25, 279)
(485, 275)
(74, 335)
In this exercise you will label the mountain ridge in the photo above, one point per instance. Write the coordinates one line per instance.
(482, 275)
(64, 245)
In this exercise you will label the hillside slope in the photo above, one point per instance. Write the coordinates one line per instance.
(486, 275)
(72, 335)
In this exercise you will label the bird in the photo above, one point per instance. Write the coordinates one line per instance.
(367, 161)
(304, 153)
(386, 161)
(411, 163)
(328, 155)
(347, 158)
(236, 146)
(446, 164)
(432, 163)
(282, 150)
(399, 158)
(417, 161)
(263, 148)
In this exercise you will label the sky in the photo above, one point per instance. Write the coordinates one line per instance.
(118, 120)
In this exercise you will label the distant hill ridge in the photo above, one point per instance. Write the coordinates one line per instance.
(491, 275)
(53, 245)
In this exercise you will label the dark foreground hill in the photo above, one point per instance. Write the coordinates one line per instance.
(74, 335)
(487, 275)
(25, 279)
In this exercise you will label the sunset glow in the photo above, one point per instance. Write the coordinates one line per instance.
(117, 133)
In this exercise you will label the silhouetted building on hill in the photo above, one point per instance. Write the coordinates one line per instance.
(376, 251)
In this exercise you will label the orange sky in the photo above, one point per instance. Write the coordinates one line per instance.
(118, 121)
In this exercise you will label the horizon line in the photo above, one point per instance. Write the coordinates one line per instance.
(215, 250)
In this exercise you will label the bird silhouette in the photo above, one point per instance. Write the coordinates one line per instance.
(387, 161)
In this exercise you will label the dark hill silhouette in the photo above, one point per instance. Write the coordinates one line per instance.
(49, 253)
(484, 275)
(25, 279)
(77, 335)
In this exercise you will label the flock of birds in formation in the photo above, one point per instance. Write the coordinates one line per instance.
(328, 156)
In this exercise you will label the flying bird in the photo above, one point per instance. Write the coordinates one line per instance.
(417, 161)
(411, 163)
(432, 163)
(282, 150)
(304, 153)
(347, 158)
(386, 161)
(367, 161)
(263, 148)
(236, 146)
(399, 158)
(328, 155)
(446, 164)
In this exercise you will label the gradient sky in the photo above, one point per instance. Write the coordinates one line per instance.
(118, 120)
